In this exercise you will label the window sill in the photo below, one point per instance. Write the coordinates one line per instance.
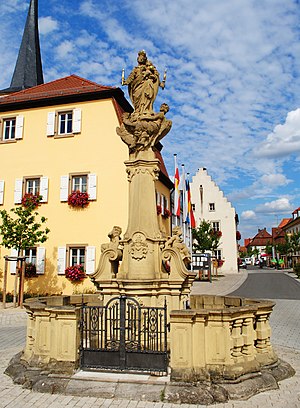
(8, 141)
(67, 135)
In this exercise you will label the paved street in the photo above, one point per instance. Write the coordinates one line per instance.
(285, 326)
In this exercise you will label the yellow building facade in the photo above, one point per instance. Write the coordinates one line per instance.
(57, 138)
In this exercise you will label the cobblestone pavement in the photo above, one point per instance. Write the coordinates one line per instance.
(285, 340)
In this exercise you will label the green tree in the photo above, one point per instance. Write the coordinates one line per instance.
(293, 243)
(205, 238)
(22, 230)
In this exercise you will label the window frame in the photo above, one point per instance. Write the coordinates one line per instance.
(59, 123)
(79, 175)
(70, 248)
(211, 207)
(25, 185)
(54, 123)
(216, 227)
(66, 185)
(217, 253)
(30, 249)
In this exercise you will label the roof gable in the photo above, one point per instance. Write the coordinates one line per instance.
(72, 84)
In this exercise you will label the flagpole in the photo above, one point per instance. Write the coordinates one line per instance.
(176, 191)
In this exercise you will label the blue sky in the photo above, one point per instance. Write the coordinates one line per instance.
(233, 82)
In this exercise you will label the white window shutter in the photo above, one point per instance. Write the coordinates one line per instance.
(40, 260)
(1, 192)
(61, 260)
(162, 201)
(18, 191)
(92, 186)
(51, 124)
(44, 181)
(13, 264)
(19, 126)
(64, 188)
(76, 120)
(90, 259)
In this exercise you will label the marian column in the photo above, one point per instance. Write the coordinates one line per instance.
(151, 265)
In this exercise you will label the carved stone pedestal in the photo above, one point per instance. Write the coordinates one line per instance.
(152, 268)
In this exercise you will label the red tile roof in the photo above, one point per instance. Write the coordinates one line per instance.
(283, 222)
(69, 85)
(262, 238)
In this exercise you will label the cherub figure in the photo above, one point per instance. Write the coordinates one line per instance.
(114, 237)
(176, 242)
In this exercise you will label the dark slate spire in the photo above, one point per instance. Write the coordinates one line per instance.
(28, 70)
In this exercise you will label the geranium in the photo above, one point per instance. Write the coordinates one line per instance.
(30, 270)
(78, 199)
(217, 233)
(220, 262)
(31, 200)
(166, 213)
(75, 273)
(158, 209)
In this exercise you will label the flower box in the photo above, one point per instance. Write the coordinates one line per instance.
(75, 273)
(30, 270)
(31, 200)
(78, 199)
(167, 213)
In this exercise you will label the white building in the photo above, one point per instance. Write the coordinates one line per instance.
(211, 205)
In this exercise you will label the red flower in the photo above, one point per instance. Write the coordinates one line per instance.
(238, 235)
(75, 273)
(78, 199)
(31, 200)
(158, 209)
(166, 213)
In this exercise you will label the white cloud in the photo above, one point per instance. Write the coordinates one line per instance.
(281, 205)
(274, 180)
(284, 140)
(248, 215)
(47, 25)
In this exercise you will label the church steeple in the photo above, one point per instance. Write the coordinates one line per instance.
(28, 70)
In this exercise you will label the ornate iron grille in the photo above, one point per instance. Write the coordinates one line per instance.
(124, 336)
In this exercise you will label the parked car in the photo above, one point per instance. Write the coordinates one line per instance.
(242, 263)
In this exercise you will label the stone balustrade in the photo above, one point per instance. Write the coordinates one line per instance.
(220, 337)
(53, 329)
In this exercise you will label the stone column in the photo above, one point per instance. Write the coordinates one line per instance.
(142, 239)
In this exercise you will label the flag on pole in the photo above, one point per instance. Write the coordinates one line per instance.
(176, 191)
(182, 187)
(190, 219)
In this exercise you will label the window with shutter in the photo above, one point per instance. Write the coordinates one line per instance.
(13, 264)
(64, 188)
(18, 191)
(61, 260)
(92, 188)
(19, 127)
(44, 189)
(51, 124)
(77, 120)
(90, 259)
(40, 260)
(1, 192)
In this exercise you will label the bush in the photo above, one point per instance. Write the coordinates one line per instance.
(297, 269)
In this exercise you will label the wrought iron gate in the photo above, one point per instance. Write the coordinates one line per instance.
(124, 336)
